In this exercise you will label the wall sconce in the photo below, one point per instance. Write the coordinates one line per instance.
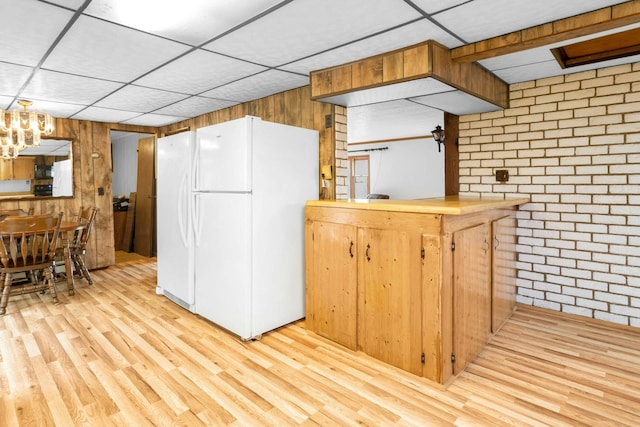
(438, 136)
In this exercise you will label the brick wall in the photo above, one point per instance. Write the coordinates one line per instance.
(572, 144)
(342, 155)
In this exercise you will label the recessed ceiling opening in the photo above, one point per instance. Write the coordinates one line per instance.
(613, 46)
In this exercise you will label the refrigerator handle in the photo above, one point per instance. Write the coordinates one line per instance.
(195, 216)
(195, 185)
(180, 205)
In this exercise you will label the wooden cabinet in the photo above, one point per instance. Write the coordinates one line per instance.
(24, 168)
(411, 289)
(331, 303)
(20, 168)
(389, 281)
(471, 293)
(503, 270)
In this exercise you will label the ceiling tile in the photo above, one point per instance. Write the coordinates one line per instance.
(407, 89)
(99, 49)
(154, 120)
(141, 99)
(391, 40)
(258, 86)
(13, 77)
(105, 115)
(508, 15)
(60, 87)
(70, 4)
(197, 72)
(56, 109)
(195, 106)
(189, 21)
(28, 28)
(431, 7)
(302, 26)
(393, 119)
(456, 102)
(5, 102)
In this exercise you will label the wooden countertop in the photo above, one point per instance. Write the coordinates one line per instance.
(449, 205)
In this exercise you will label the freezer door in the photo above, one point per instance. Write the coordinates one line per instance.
(223, 260)
(175, 240)
(222, 158)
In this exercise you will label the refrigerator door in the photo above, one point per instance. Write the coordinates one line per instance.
(223, 260)
(222, 158)
(282, 154)
(175, 240)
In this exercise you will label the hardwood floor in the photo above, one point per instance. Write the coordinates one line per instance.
(118, 354)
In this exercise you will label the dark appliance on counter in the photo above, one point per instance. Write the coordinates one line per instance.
(44, 172)
(43, 190)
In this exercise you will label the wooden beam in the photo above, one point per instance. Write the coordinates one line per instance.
(419, 61)
(557, 31)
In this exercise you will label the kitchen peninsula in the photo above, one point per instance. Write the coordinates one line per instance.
(419, 284)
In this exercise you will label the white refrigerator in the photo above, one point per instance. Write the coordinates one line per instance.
(249, 183)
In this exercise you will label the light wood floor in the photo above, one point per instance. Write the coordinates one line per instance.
(118, 354)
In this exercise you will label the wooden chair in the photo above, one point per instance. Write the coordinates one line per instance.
(28, 244)
(78, 243)
(15, 212)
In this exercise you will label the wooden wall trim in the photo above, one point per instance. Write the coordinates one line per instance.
(557, 31)
(419, 61)
(451, 155)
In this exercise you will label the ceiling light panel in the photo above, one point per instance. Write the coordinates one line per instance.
(393, 119)
(197, 72)
(195, 106)
(508, 16)
(92, 47)
(28, 29)
(302, 26)
(390, 92)
(258, 86)
(60, 87)
(457, 102)
(391, 40)
(189, 21)
(141, 99)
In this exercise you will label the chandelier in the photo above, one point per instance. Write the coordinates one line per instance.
(20, 129)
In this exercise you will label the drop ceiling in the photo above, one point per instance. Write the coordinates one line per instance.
(155, 62)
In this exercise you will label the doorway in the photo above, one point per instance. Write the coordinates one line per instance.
(133, 156)
(359, 177)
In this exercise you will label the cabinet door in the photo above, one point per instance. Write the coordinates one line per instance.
(503, 271)
(471, 293)
(6, 169)
(390, 308)
(331, 306)
(23, 168)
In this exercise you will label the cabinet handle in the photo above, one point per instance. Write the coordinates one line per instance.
(486, 245)
(351, 249)
(367, 252)
(497, 242)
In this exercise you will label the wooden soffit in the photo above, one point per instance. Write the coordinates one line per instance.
(600, 20)
(424, 60)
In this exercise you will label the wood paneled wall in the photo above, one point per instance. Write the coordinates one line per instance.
(92, 168)
(89, 176)
(293, 107)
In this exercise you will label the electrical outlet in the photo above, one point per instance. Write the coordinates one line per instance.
(502, 175)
